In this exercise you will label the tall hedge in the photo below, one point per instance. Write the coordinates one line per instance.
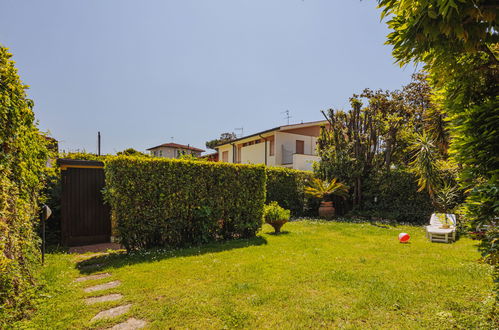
(23, 154)
(285, 186)
(394, 195)
(173, 203)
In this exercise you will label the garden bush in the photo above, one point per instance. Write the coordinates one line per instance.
(23, 153)
(393, 195)
(286, 187)
(174, 203)
(275, 216)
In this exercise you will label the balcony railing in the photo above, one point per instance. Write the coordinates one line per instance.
(288, 156)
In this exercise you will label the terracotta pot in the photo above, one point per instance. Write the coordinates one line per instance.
(277, 224)
(326, 210)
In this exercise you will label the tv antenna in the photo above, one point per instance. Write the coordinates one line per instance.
(240, 129)
(171, 137)
(287, 115)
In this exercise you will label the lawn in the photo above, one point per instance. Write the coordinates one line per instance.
(315, 274)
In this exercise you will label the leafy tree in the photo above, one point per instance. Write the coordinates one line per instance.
(458, 43)
(224, 138)
(132, 152)
(23, 154)
(372, 138)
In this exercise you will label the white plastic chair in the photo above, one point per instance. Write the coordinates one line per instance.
(435, 233)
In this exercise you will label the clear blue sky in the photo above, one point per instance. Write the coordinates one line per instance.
(144, 71)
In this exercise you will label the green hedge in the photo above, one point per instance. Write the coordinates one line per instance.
(23, 154)
(285, 186)
(173, 203)
(397, 198)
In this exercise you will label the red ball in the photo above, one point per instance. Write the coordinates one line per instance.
(404, 237)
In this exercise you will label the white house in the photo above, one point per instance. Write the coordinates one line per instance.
(292, 146)
(174, 150)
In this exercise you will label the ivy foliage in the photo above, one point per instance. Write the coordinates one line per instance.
(174, 203)
(23, 155)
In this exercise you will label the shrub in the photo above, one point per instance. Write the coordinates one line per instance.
(394, 195)
(23, 154)
(286, 187)
(276, 216)
(173, 203)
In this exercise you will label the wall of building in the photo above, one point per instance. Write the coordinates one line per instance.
(167, 152)
(253, 154)
(288, 140)
(221, 150)
(304, 162)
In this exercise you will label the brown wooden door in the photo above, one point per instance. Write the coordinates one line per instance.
(85, 217)
(300, 147)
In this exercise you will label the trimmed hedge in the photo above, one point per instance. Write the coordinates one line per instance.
(23, 153)
(174, 203)
(286, 187)
(397, 198)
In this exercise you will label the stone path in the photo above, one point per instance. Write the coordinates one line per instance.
(104, 286)
(131, 323)
(112, 312)
(92, 277)
(107, 297)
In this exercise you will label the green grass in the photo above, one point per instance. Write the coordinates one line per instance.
(315, 274)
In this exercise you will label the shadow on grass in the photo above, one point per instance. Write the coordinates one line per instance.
(121, 258)
(284, 232)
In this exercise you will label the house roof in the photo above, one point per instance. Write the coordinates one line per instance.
(279, 128)
(176, 146)
(210, 154)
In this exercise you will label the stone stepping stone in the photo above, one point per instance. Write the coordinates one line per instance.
(130, 324)
(92, 277)
(104, 286)
(112, 312)
(99, 299)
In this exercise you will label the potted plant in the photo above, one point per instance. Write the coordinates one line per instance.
(324, 190)
(275, 216)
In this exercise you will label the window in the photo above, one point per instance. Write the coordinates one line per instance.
(271, 151)
(161, 153)
(225, 156)
(300, 147)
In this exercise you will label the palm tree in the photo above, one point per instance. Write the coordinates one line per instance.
(424, 163)
(323, 189)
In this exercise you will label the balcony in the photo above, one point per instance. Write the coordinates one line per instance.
(298, 161)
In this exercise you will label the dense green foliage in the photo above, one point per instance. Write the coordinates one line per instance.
(319, 274)
(168, 202)
(286, 187)
(364, 145)
(23, 154)
(393, 195)
(275, 215)
(374, 135)
(458, 43)
(131, 152)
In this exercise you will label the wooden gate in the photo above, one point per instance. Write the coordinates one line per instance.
(85, 219)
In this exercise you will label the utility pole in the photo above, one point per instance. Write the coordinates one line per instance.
(98, 143)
